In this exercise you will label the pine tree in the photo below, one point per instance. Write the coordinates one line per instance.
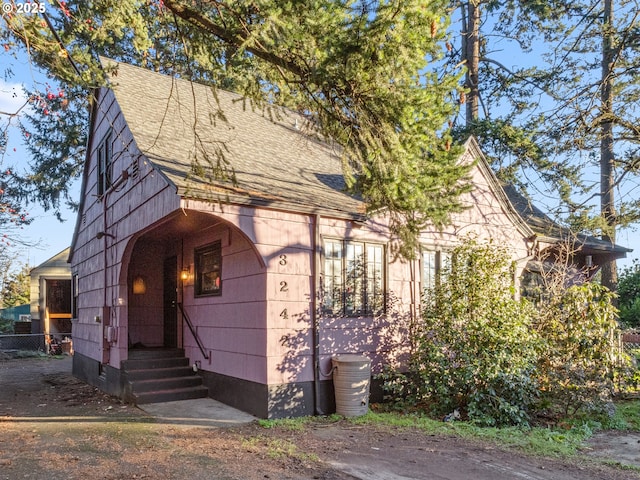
(595, 125)
(358, 70)
(502, 93)
(571, 118)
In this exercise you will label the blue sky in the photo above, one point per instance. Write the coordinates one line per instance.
(48, 234)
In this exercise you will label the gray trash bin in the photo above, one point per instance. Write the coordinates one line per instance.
(351, 379)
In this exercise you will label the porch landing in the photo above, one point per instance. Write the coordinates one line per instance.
(201, 412)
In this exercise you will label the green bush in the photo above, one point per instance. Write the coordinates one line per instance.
(476, 348)
(6, 326)
(580, 354)
(629, 296)
(498, 360)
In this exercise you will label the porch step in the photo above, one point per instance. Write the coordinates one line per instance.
(153, 363)
(160, 375)
(142, 353)
(171, 395)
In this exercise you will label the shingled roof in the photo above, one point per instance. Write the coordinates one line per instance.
(275, 160)
(550, 231)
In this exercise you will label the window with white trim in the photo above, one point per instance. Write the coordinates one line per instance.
(434, 263)
(354, 282)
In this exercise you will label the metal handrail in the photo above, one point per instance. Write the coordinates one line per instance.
(193, 331)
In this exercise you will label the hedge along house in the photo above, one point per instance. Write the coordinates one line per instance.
(258, 282)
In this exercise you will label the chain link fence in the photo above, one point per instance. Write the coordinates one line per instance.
(57, 344)
(631, 341)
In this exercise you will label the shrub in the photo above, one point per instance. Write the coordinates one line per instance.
(475, 347)
(499, 360)
(6, 326)
(629, 296)
(580, 350)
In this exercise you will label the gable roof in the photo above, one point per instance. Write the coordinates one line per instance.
(176, 122)
(276, 162)
(60, 259)
(550, 231)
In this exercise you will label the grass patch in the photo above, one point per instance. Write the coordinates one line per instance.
(277, 448)
(298, 424)
(564, 440)
(628, 415)
(537, 441)
(560, 441)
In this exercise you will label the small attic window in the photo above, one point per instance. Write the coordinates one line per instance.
(104, 158)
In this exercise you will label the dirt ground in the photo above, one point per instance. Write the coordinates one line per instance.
(52, 426)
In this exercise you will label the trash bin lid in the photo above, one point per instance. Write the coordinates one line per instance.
(350, 358)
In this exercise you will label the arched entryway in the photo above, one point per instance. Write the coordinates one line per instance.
(161, 276)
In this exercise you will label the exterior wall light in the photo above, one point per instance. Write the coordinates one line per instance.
(588, 261)
(139, 285)
(184, 274)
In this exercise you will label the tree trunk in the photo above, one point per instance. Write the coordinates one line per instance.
(607, 206)
(472, 59)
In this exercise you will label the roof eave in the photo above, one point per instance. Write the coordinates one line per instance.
(281, 205)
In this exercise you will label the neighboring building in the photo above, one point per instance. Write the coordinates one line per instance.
(260, 281)
(51, 310)
(20, 316)
(582, 255)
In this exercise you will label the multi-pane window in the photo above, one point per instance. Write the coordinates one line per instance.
(353, 278)
(208, 270)
(433, 263)
(105, 157)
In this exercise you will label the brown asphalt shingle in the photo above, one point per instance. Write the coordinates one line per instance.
(178, 124)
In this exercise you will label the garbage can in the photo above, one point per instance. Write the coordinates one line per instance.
(351, 379)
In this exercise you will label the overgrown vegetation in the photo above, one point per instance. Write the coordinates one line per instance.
(629, 296)
(6, 326)
(579, 355)
(500, 361)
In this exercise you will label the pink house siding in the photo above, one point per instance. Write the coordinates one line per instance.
(104, 300)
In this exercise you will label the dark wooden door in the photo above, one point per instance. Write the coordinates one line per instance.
(170, 300)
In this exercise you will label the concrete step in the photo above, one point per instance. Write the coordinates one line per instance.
(155, 373)
(172, 383)
(160, 375)
(172, 395)
(150, 363)
(144, 353)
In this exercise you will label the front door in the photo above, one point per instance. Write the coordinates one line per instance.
(170, 302)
